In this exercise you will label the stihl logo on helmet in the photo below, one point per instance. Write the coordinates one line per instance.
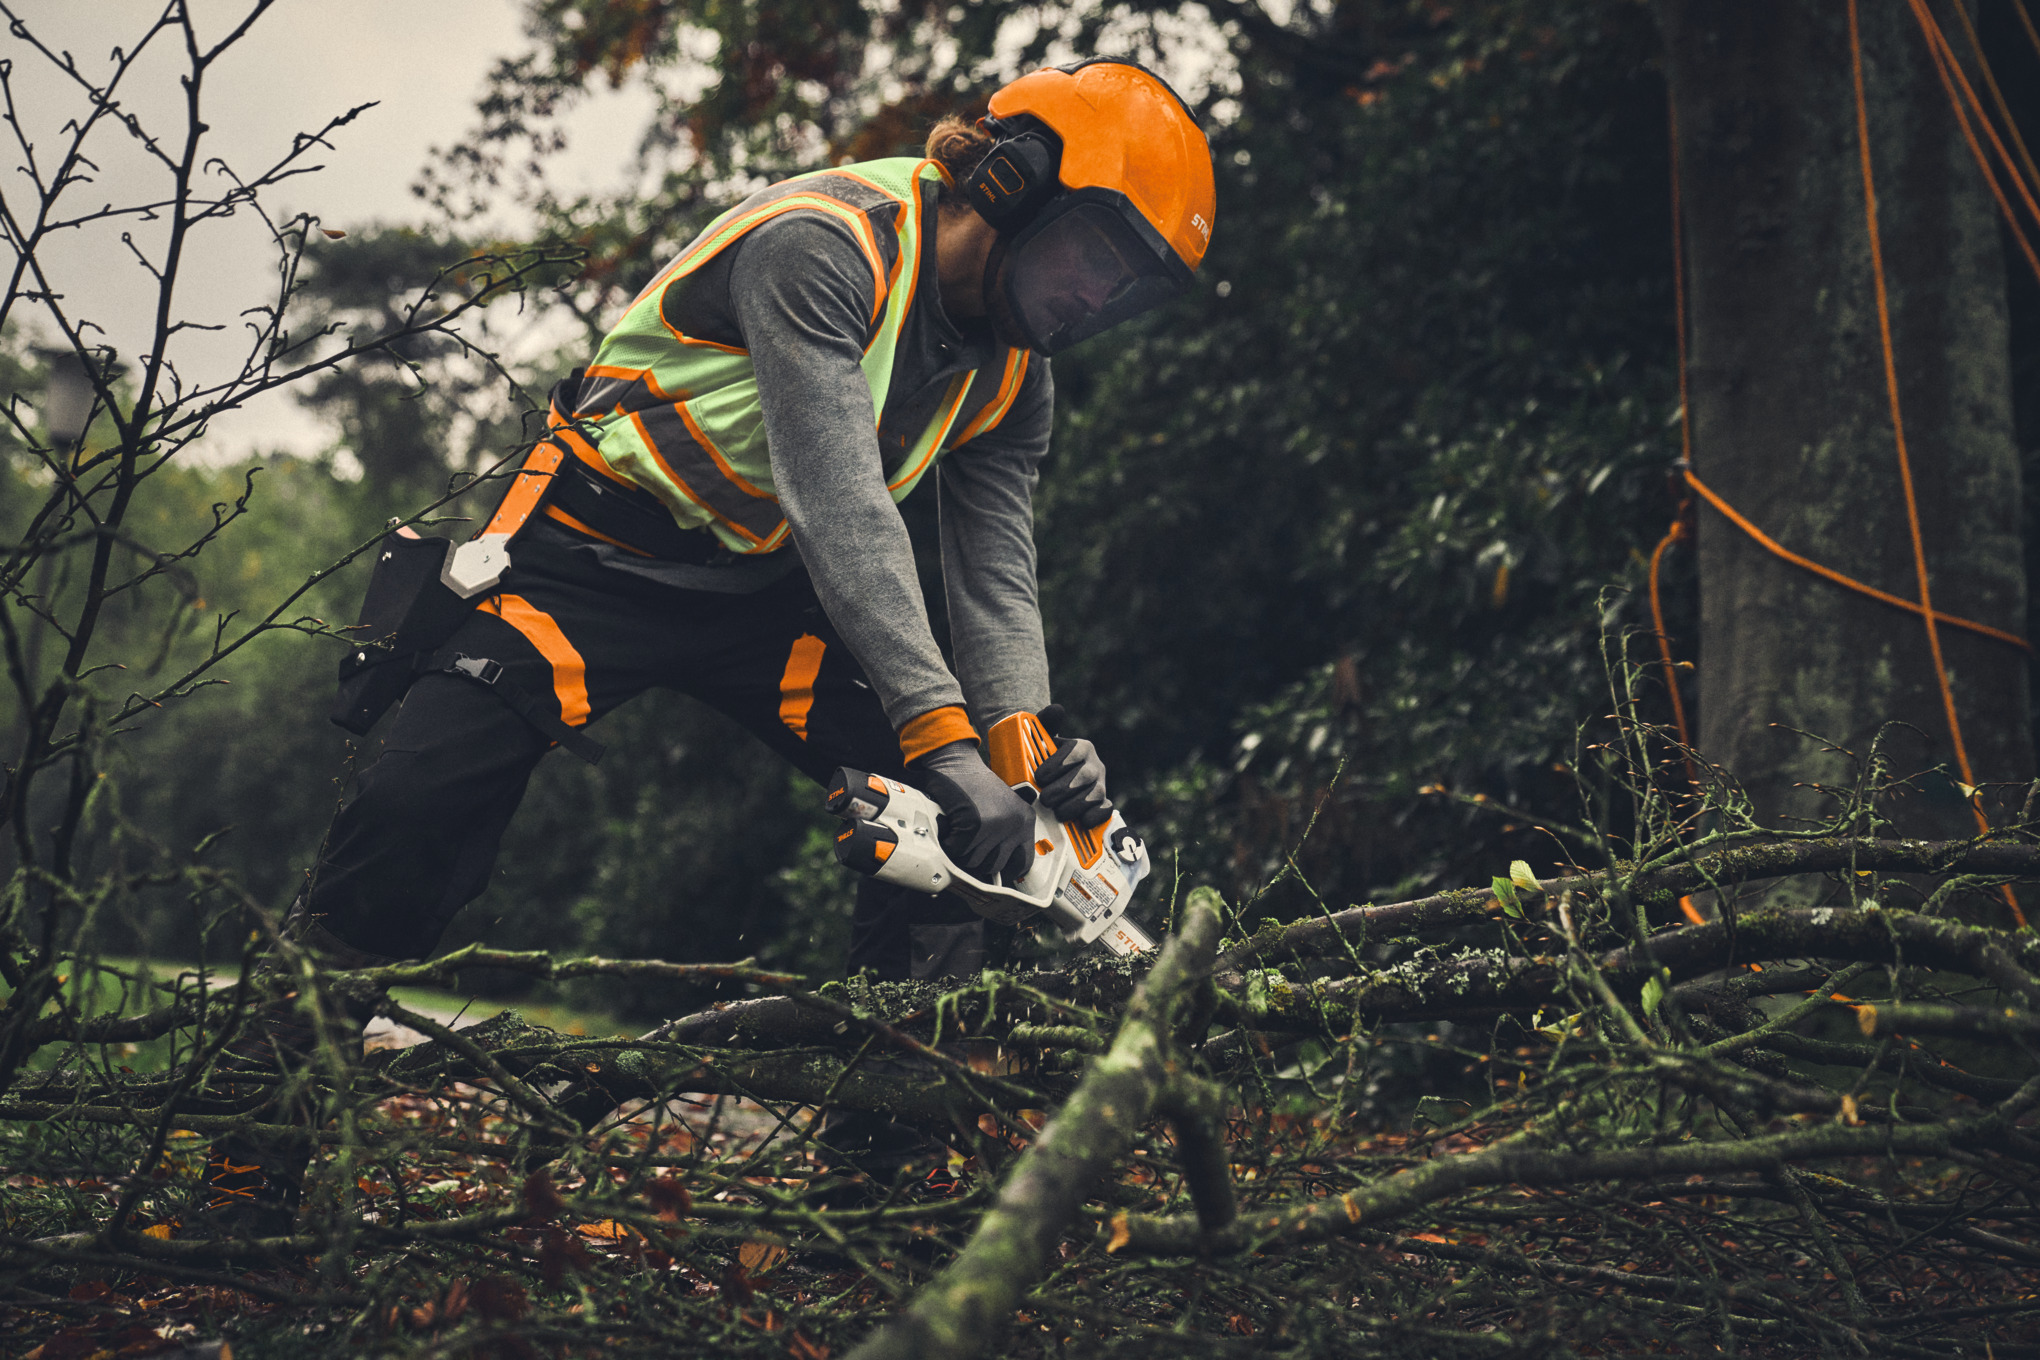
(1100, 186)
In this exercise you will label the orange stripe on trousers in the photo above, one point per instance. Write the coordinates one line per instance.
(797, 684)
(570, 673)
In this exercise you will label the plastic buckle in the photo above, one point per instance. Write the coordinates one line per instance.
(478, 668)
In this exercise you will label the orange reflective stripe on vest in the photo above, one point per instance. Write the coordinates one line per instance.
(952, 402)
(693, 466)
(607, 391)
(1002, 400)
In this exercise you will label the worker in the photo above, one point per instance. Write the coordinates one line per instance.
(721, 519)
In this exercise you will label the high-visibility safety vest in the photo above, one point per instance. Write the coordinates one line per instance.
(679, 415)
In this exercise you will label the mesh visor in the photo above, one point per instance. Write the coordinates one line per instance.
(1081, 271)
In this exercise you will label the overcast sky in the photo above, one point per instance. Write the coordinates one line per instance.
(421, 61)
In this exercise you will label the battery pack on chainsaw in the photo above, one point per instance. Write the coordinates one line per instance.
(419, 593)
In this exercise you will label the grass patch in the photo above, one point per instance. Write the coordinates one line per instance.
(131, 986)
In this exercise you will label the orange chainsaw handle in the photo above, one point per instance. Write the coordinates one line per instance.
(1016, 746)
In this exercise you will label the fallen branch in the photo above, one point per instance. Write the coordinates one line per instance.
(1479, 984)
(1973, 1021)
(1356, 926)
(1519, 1160)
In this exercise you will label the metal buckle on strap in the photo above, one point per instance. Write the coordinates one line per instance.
(534, 710)
(477, 668)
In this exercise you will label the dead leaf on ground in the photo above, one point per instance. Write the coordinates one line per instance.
(670, 1196)
(758, 1258)
(540, 1197)
(447, 1308)
(500, 1298)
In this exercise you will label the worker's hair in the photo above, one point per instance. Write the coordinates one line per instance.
(957, 144)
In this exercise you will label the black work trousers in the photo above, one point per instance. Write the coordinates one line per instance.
(420, 836)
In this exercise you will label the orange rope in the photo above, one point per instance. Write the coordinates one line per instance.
(1944, 53)
(1944, 62)
(1678, 529)
(1679, 296)
(1765, 541)
(1664, 642)
(1912, 509)
(1997, 95)
(2027, 20)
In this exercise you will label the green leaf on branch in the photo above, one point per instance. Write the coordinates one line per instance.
(1505, 893)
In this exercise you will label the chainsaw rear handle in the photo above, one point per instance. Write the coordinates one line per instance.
(1082, 880)
(892, 831)
(867, 844)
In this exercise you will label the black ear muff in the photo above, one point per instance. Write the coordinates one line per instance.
(1016, 177)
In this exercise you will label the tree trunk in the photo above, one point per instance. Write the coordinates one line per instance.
(1792, 417)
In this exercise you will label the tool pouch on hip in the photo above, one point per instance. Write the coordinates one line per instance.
(408, 613)
(423, 589)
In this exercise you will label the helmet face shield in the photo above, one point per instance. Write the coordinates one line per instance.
(1082, 266)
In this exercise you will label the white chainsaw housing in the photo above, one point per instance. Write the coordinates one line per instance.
(1086, 901)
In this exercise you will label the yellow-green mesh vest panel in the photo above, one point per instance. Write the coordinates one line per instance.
(680, 416)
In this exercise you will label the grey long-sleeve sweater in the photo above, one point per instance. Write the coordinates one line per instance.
(797, 293)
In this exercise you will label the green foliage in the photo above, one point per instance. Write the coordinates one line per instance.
(1505, 893)
(1349, 508)
(250, 762)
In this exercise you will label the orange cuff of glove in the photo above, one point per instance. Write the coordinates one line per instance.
(937, 727)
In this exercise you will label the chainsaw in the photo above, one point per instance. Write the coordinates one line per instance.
(1081, 881)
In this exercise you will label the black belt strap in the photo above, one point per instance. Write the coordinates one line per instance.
(526, 705)
(633, 517)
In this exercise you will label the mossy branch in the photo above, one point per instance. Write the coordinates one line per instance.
(960, 1312)
(1333, 935)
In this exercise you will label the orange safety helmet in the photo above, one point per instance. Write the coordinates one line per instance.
(1099, 184)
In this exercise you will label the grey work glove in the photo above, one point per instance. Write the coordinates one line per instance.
(986, 829)
(1072, 781)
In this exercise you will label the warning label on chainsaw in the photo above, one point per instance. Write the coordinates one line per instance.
(1091, 895)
